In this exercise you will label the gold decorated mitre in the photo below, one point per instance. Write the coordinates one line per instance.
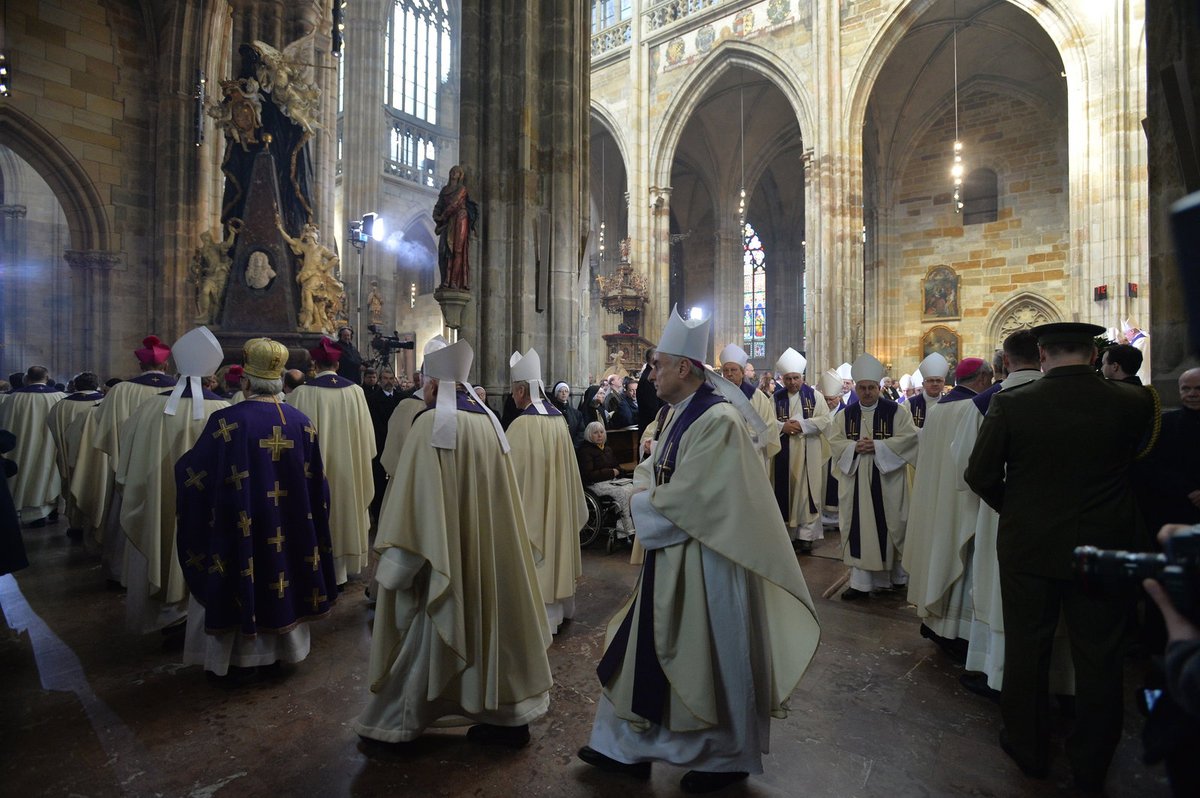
(264, 358)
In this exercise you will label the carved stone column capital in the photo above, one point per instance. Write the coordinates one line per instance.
(13, 211)
(92, 259)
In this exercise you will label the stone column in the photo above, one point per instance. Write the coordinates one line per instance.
(90, 322)
(524, 147)
(727, 282)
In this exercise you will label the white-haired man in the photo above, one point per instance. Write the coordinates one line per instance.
(798, 476)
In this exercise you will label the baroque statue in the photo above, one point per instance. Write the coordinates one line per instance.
(375, 303)
(210, 271)
(317, 277)
(454, 218)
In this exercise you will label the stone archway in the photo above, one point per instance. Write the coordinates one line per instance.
(1020, 312)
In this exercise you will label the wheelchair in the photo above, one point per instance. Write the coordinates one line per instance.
(603, 521)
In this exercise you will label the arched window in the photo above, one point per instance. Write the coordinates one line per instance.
(754, 293)
(606, 13)
(979, 197)
(418, 57)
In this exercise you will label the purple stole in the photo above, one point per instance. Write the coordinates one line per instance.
(916, 406)
(157, 380)
(881, 429)
(187, 392)
(808, 400)
(957, 394)
(330, 381)
(94, 396)
(649, 681)
(747, 389)
(983, 399)
(38, 387)
(551, 410)
(465, 404)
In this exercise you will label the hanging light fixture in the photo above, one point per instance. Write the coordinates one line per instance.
(603, 193)
(956, 170)
(742, 155)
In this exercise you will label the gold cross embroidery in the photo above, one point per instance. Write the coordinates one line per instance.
(218, 565)
(276, 494)
(276, 443)
(249, 568)
(315, 559)
(224, 430)
(317, 598)
(244, 522)
(663, 470)
(234, 476)
(312, 432)
(277, 541)
(195, 560)
(195, 480)
(282, 585)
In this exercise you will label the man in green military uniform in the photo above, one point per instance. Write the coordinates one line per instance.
(1053, 459)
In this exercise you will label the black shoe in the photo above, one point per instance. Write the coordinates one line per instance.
(38, 524)
(977, 684)
(802, 546)
(1031, 770)
(696, 781)
(954, 649)
(74, 534)
(53, 517)
(638, 770)
(850, 594)
(508, 736)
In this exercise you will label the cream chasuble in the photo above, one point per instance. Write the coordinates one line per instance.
(765, 408)
(856, 474)
(37, 485)
(543, 458)
(59, 420)
(92, 478)
(151, 443)
(460, 631)
(808, 452)
(340, 415)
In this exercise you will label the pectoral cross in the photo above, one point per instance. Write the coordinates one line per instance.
(315, 559)
(224, 430)
(317, 598)
(276, 494)
(195, 480)
(234, 476)
(244, 522)
(276, 443)
(282, 585)
(662, 471)
(277, 541)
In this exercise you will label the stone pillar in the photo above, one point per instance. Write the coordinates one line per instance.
(524, 148)
(90, 321)
(727, 282)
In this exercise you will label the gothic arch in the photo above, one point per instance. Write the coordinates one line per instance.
(1020, 312)
(726, 56)
(609, 122)
(1051, 15)
(87, 218)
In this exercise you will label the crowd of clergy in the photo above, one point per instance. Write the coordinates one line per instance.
(233, 504)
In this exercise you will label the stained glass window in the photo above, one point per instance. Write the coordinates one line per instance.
(754, 293)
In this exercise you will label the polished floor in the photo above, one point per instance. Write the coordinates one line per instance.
(87, 709)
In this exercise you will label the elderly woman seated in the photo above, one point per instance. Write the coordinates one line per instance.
(602, 475)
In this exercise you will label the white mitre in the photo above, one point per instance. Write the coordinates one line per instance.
(734, 354)
(448, 365)
(197, 354)
(935, 365)
(528, 368)
(918, 379)
(905, 382)
(844, 371)
(829, 383)
(790, 362)
(867, 368)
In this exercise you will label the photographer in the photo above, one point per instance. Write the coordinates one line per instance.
(1173, 731)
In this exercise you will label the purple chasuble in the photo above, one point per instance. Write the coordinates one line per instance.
(649, 681)
(983, 399)
(808, 399)
(93, 396)
(882, 424)
(957, 394)
(329, 381)
(38, 387)
(253, 511)
(532, 410)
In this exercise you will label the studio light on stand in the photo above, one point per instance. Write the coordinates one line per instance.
(361, 231)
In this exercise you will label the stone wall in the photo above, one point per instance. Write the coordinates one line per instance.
(1024, 252)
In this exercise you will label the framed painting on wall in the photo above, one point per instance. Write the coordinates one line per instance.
(939, 295)
(943, 340)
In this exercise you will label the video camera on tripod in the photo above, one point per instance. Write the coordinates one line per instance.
(386, 344)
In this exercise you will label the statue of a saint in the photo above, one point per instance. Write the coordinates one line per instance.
(454, 217)
(316, 276)
(210, 271)
(375, 303)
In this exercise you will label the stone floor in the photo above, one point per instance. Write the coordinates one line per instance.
(89, 710)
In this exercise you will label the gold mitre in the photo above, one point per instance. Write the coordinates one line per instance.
(264, 358)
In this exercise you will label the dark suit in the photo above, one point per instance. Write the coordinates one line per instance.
(1054, 459)
(647, 400)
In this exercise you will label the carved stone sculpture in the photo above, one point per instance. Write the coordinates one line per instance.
(210, 271)
(319, 285)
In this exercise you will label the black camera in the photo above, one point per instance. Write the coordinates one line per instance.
(1177, 569)
(386, 344)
